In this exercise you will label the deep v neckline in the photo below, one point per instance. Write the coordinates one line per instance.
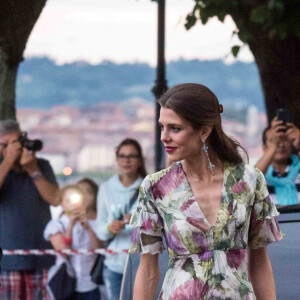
(198, 204)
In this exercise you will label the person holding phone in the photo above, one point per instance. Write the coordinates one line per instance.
(280, 160)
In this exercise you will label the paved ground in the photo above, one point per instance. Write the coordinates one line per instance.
(285, 259)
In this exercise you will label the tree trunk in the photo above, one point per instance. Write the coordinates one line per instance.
(17, 19)
(8, 76)
(278, 62)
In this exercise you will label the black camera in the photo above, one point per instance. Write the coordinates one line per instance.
(32, 145)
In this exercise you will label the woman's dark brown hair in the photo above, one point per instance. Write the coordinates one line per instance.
(141, 170)
(198, 105)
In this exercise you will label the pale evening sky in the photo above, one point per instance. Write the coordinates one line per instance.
(126, 31)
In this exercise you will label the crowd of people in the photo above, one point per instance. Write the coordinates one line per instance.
(213, 209)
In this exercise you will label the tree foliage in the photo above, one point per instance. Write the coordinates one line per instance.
(271, 28)
(278, 19)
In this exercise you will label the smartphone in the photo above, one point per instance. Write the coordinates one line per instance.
(284, 115)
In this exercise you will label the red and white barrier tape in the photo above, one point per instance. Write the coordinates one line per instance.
(64, 251)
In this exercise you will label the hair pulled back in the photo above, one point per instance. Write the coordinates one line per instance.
(198, 105)
(128, 141)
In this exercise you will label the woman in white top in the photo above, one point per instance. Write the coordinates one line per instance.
(113, 203)
(75, 230)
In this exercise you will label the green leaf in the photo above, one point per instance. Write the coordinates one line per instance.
(169, 220)
(221, 16)
(235, 50)
(281, 31)
(245, 36)
(217, 279)
(188, 266)
(203, 15)
(190, 21)
(272, 33)
(259, 15)
(171, 263)
(297, 32)
(276, 5)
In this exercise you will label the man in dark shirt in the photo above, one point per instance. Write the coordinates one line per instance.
(280, 162)
(27, 189)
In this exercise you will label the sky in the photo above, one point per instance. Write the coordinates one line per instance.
(126, 31)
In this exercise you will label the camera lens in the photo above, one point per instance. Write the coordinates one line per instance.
(33, 145)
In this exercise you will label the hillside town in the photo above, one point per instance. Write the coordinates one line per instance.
(83, 139)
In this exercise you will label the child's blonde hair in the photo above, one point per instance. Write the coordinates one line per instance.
(61, 192)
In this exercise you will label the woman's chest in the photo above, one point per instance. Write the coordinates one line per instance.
(208, 196)
(209, 208)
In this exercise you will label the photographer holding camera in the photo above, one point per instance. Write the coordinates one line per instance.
(280, 160)
(27, 189)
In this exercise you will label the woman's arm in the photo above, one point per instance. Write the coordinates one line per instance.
(273, 136)
(266, 160)
(60, 241)
(261, 274)
(102, 219)
(96, 243)
(57, 241)
(147, 278)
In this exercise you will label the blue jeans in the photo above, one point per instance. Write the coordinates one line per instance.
(112, 281)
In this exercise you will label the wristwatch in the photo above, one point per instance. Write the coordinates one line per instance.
(36, 175)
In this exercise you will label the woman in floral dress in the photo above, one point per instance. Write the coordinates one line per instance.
(214, 211)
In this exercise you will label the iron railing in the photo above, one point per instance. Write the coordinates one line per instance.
(289, 209)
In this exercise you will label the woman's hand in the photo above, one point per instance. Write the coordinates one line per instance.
(275, 132)
(116, 226)
(127, 218)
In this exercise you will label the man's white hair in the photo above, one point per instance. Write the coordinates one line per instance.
(9, 126)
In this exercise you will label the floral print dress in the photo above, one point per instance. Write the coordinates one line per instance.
(205, 262)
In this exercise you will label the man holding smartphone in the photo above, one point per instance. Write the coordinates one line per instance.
(280, 161)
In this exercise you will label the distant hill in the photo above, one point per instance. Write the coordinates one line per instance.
(42, 84)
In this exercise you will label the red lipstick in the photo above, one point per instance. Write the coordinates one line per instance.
(170, 149)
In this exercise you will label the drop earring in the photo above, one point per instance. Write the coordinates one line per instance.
(210, 165)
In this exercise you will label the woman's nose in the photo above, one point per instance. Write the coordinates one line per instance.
(164, 136)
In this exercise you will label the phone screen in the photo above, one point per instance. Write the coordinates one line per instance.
(284, 115)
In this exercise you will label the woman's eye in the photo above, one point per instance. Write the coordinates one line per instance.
(161, 127)
(176, 129)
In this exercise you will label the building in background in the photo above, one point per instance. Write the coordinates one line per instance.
(84, 139)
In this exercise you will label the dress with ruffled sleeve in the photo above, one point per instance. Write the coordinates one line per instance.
(205, 261)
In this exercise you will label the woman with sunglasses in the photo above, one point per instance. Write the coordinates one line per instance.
(114, 211)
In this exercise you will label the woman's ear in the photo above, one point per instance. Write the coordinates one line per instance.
(205, 132)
